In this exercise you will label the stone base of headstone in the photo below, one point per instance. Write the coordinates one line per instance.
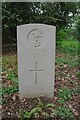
(21, 96)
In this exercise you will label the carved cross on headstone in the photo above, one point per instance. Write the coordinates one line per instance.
(36, 70)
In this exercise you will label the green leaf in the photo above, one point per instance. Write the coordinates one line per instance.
(50, 105)
(27, 114)
(37, 109)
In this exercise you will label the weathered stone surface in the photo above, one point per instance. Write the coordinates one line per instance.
(36, 60)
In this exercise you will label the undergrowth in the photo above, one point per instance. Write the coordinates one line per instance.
(67, 60)
(69, 47)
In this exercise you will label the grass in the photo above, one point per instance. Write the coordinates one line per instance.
(66, 74)
(69, 47)
(64, 112)
(72, 62)
(64, 93)
(9, 63)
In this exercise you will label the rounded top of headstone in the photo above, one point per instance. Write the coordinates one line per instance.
(36, 24)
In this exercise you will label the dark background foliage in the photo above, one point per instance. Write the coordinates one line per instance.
(59, 14)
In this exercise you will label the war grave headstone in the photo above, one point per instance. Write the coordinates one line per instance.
(36, 60)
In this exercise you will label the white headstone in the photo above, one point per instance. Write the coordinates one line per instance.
(36, 60)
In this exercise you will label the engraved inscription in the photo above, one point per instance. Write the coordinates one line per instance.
(36, 70)
(35, 38)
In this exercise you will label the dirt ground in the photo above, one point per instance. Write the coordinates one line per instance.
(13, 103)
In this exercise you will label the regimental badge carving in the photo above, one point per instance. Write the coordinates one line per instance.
(35, 38)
